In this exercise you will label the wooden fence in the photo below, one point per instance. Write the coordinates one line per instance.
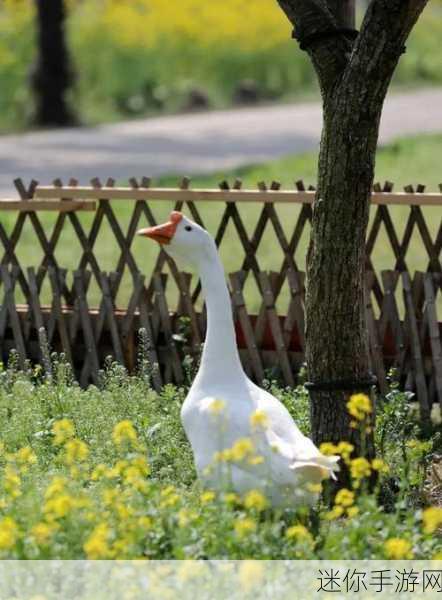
(401, 304)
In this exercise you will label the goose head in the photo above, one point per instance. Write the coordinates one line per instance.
(182, 239)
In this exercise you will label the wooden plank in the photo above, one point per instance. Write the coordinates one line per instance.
(75, 319)
(127, 327)
(62, 206)
(390, 316)
(109, 309)
(152, 354)
(375, 346)
(295, 312)
(418, 362)
(88, 334)
(9, 280)
(34, 299)
(106, 314)
(433, 327)
(9, 243)
(57, 311)
(231, 195)
(167, 329)
(275, 326)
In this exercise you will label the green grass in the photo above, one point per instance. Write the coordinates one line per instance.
(409, 160)
(74, 483)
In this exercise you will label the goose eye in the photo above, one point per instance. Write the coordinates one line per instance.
(188, 228)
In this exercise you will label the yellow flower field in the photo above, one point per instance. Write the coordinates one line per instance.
(106, 473)
(133, 57)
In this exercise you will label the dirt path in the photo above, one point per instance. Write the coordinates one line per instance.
(193, 143)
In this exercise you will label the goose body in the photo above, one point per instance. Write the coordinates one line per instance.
(242, 437)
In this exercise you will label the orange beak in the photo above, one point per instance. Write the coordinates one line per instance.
(165, 232)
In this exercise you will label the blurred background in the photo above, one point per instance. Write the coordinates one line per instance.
(111, 63)
(85, 62)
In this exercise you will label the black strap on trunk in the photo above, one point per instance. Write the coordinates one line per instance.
(344, 385)
(306, 41)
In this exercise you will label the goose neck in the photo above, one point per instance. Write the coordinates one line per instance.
(220, 354)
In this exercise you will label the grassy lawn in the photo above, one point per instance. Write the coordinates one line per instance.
(107, 473)
(409, 160)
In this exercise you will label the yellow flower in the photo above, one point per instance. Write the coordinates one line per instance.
(244, 527)
(259, 420)
(96, 547)
(140, 462)
(344, 498)
(242, 449)
(8, 533)
(377, 464)
(42, 533)
(334, 513)
(132, 475)
(360, 467)
(255, 500)
(223, 455)
(62, 431)
(98, 472)
(345, 449)
(207, 497)
(169, 497)
(359, 406)
(186, 516)
(217, 406)
(124, 431)
(11, 482)
(168, 490)
(398, 549)
(124, 511)
(145, 523)
(231, 498)
(255, 460)
(26, 456)
(299, 533)
(314, 488)
(109, 496)
(56, 486)
(327, 448)
(117, 469)
(58, 506)
(432, 519)
(75, 451)
(352, 511)
(120, 547)
(412, 443)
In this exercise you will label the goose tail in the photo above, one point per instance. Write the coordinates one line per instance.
(321, 465)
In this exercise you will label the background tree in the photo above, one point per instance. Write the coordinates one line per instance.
(354, 72)
(52, 74)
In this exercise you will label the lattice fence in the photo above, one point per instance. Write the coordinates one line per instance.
(92, 298)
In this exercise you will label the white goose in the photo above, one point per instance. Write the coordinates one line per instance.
(224, 409)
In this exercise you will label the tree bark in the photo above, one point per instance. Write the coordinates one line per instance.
(52, 74)
(354, 77)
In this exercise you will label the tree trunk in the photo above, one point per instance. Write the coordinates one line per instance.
(52, 75)
(354, 74)
(336, 333)
(344, 11)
